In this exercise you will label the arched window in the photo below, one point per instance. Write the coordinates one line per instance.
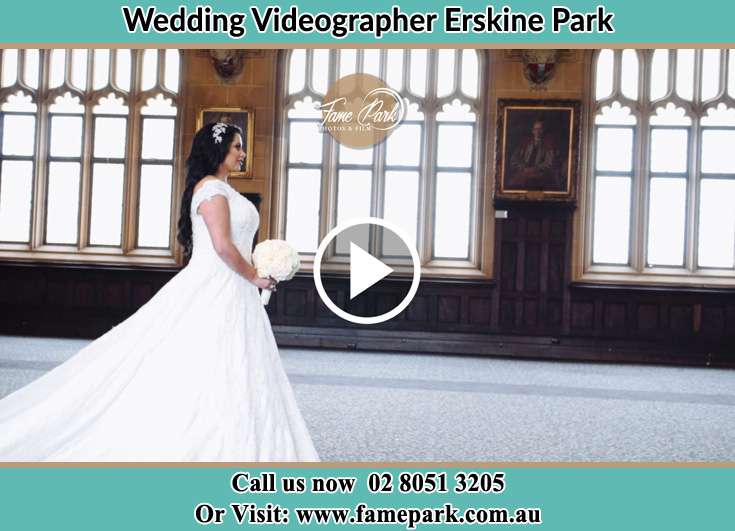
(425, 177)
(660, 199)
(88, 140)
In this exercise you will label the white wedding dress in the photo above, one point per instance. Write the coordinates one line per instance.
(194, 375)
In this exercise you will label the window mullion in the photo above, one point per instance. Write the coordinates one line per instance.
(641, 178)
(309, 75)
(424, 210)
(328, 206)
(691, 219)
(178, 179)
(131, 183)
(428, 162)
(591, 183)
(457, 82)
(475, 198)
(693, 186)
(330, 179)
(86, 162)
(359, 61)
(724, 66)
(42, 149)
(476, 207)
(160, 70)
(378, 168)
(281, 132)
(673, 67)
(378, 193)
(617, 91)
(697, 89)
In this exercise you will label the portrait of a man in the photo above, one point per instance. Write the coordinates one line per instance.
(537, 147)
(535, 162)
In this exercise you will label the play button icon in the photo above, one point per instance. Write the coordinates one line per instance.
(365, 269)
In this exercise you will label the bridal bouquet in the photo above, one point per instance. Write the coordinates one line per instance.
(277, 259)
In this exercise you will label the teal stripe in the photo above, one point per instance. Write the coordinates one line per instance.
(164, 498)
(635, 21)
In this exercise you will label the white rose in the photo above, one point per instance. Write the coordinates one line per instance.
(277, 259)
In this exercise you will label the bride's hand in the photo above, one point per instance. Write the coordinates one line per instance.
(266, 283)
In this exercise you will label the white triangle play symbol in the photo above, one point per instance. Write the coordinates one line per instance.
(365, 270)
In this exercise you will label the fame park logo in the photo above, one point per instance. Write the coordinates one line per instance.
(360, 110)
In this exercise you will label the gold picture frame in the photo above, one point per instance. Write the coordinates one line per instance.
(245, 120)
(537, 149)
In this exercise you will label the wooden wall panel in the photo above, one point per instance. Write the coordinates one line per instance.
(509, 266)
(555, 283)
(648, 317)
(479, 312)
(713, 320)
(614, 316)
(418, 310)
(295, 303)
(681, 319)
(554, 310)
(583, 316)
(730, 319)
(532, 266)
(449, 309)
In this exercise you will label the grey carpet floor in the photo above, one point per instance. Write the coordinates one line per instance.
(414, 407)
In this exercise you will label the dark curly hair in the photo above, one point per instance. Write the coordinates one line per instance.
(204, 158)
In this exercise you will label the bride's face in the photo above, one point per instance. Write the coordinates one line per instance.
(235, 156)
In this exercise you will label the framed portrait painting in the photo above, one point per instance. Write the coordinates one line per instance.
(244, 119)
(537, 149)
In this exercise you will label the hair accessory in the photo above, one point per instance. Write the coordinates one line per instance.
(217, 130)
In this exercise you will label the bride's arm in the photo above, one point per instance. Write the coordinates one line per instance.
(216, 214)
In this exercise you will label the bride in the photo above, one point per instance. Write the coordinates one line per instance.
(193, 375)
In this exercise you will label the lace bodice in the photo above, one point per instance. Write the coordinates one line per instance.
(244, 220)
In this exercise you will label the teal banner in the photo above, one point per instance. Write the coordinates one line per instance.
(235, 23)
(549, 497)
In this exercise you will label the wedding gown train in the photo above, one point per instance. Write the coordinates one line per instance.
(193, 375)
